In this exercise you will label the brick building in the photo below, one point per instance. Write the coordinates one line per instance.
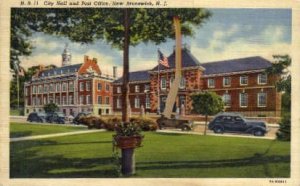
(74, 88)
(242, 84)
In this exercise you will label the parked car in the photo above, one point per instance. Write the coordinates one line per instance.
(76, 120)
(56, 117)
(233, 122)
(37, 117)
(175, 123)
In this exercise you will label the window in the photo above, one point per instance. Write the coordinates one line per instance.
(226, 99)
(51, 88)
(226, 81)
(262, 99)
(99, 86)
(182, 82)
(57, 87)
(64, 100)
(211, 83)
(119, 103)
(50, 99)
(262, 79)
(147, 87)
(88, 99)
(57, 101)
(147, 102)
(243, 99)
(34, 89)
(137, 102)
(81, 86)
(137, 88)
(107, 100)
(99, 100)
(163, 83)
(71, 100)
(81, 99)
(88, 86)
(71, 86)
(40, 89)
(244, 80)
(46, 88)
(107, 87)
(64, 87)
(119, 89)
(45, 100)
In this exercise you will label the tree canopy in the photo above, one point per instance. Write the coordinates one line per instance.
(207, 103)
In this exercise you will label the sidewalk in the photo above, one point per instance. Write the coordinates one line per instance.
(53, 135)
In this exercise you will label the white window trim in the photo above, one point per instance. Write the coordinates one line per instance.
(71, 101)
(261, 106)
(137, 88)
(161, 83)
(81, 86)
(227, 106)
(135, 102)
(182, 85)
(241, 80)
(240, 100)
(119, 89)
(119, 103)
(88, 86)
(147, 104)
(88, 102)
(71, 88)
(229, 79)
(208, 84)
(107, 85)
(146, 88)
(64, 84)
(258, 79)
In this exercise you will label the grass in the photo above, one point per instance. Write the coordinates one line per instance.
(24, 129)
(163, 155)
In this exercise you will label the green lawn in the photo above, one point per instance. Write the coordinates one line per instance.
(24, 129)
(163, 155)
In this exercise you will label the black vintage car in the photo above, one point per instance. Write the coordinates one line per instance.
(233, 122)
(56, 117)
(37, 117)
(76, 120)
(182, 124)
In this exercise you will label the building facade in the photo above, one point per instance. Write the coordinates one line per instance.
(74, 88)
(242, 83)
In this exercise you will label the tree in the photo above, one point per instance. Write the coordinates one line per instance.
(207, 103)
(120, 28)
(51, 107)
(280, 68)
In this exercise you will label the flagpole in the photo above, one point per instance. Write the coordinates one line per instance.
(18, 91)
(158, 84)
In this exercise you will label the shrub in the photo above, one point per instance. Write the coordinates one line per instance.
(92, 122)
(112, 123)
(146, 124)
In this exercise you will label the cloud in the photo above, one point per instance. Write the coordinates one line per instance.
(265, 44)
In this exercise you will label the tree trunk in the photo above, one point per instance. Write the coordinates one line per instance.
(205, 125)
(125, 91)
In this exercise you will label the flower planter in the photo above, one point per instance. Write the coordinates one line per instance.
(127, 142)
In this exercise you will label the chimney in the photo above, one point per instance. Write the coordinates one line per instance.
(115, 72)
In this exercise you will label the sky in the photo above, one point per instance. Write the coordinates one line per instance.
(227, 34)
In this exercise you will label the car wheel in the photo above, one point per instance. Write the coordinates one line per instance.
(258, 133)
(218, 130)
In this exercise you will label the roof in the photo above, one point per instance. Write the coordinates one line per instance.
(236, 65)
(136, 76)
(188, 60)
(60, 70)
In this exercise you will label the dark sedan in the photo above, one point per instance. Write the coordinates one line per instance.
(56, 117)
(232, 122)
(37, 117)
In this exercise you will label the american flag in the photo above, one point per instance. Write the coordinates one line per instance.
(162, 59)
